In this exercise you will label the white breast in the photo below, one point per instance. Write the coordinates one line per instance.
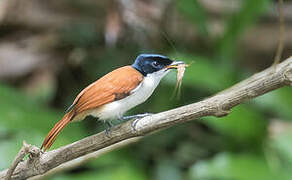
(139, 95)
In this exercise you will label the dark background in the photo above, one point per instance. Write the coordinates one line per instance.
(51, 50)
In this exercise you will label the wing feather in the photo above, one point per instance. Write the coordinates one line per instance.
(114, 85)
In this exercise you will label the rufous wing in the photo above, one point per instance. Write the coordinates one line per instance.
(113, 86)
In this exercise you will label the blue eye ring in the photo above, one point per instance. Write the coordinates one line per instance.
(155, 64)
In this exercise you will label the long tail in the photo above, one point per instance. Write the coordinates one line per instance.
(52, 135)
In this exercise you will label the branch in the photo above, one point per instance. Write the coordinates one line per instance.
(25, 149)
(219, 105)
(83, 159)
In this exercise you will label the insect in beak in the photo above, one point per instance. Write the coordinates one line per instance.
(175, 65)
(180, 66)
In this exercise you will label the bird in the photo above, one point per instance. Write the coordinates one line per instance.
(115, 93)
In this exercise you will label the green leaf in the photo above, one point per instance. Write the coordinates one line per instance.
(243, 123)
(281, 142)
(18, 111)
(277, 102)
(22, 118)
(115, 165)
(235, 166)
(167, 169)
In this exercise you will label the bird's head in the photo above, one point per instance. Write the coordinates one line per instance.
(154, 64)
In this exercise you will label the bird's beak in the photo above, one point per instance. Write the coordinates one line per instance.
(175, 64)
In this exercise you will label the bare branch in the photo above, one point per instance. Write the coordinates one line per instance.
(218, 105)
(19, 157)
(25, 149)
(83, 159)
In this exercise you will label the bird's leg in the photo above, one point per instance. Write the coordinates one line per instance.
(137, 116)
(109, 126)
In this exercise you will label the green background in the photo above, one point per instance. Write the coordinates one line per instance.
(242, 146)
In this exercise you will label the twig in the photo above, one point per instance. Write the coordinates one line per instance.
(281, 34)
(83, 159)
(218, 105)
(25, 149)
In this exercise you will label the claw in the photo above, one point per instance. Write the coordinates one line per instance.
(133, 125)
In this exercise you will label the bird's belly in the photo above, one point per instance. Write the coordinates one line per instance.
(117, 108)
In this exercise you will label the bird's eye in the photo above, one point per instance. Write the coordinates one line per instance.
(155, 63)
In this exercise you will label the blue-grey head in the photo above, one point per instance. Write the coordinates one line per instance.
(151, 63)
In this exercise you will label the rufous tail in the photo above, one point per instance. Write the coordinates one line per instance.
(52, 135)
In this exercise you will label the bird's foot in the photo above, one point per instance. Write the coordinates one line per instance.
(137, 117)
(133, 125)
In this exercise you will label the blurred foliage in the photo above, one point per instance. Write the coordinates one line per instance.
(195, 12)
(237, 24)
(241, 146)
(241, 167)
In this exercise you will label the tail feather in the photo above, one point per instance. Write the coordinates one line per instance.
(59, 126)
